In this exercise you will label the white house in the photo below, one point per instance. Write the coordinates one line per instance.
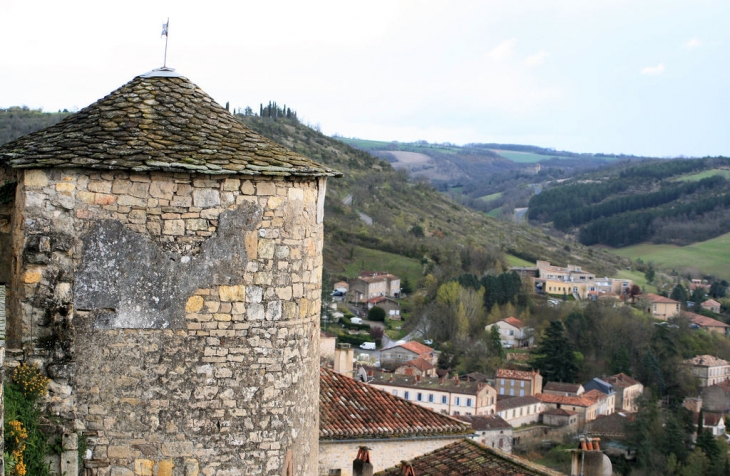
(514, 333)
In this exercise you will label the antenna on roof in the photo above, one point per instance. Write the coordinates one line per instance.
(165, 27)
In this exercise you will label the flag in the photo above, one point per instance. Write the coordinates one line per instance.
(164, 28)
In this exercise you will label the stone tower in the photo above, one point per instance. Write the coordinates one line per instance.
(162, 265)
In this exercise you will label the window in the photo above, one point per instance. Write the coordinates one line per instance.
(430, 398)
(406, 395)
(395, 392)
(501, 391)
(522, 383)
(444, 399)
(512, 391)
(468, 402)
(502, 382)
(419, 396)
(512, 382)
(458, 401)
(456, 413)
(522, 393)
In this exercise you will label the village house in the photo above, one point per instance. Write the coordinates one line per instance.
(714, 422)
(563, 388)
(628, 391)
(371, 284)
(468, 457)
(514, 333)
(571, 280)
(450, 396)
(490, 430)
(711, 305)
(605, 402)
(389, 305)
(518, 383)
(585, 407)
(706, 323)
(351, 412)
(559, 417)
(397, 355)
(519, 411)
(708, 369)
(419, 366)
(716, 398)
(661, 307)
(698, 284)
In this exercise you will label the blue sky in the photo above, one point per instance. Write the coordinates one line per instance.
(638, 77)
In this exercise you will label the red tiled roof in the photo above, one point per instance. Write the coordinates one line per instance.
(706, 361)
(622, 380)
(710, 303)
(660, 299)
(595, 394)
(467, 457)
(710, 418)
(428, 383)
(565, 400)
(516, 374)
(485, 422)
(703, 321)
(420, 364)
(514, 322)
(558, 412)
(349, 409)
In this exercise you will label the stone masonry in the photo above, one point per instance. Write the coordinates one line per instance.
(176, 311)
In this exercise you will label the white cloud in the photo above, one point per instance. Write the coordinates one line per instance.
(502, 50)
(537, 58)
(693, 43)
(653, 70)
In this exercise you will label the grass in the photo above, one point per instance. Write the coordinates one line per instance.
(495, 213)
(374, 260)
(709, 257)
(702, 175)
(515, 261)
(489, 198)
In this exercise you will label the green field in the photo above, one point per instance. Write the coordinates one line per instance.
(365, 259)
(515, 261)
(495, 213)
(637, 277)
(702, 175)
(521, 157)
(711, 256)
(489, 198)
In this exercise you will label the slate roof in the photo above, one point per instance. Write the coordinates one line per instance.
(157, 121)
(515, 402)
(349, 409)
(485, 422)
(469, 458)
(622, 380)
(598, 384)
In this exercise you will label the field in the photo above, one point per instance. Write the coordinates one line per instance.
(495, 213)
(701, 175)
(489, 198)
(515, 261)
(521, 157)
(373, 260)
(710, 257)
(637, 277)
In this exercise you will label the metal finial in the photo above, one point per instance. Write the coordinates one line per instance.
(165, 28)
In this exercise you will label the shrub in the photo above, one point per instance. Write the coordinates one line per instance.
(377, 313)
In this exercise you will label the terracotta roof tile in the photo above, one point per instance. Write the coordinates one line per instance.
(415, 347)
(157, 123)
(703, 321)
(468, 458)
(420, 364)
(558, 412)
(565, 400)
(562, 387)
(622, 380)
(349, 409)
(660, 299)
(706, 361)
(426, 383)
(516, 374)
(514, 322)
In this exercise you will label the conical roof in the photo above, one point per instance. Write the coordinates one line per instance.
(157, 121)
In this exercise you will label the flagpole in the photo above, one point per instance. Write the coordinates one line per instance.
(167, 36)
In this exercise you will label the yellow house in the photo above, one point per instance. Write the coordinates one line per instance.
(662, 307)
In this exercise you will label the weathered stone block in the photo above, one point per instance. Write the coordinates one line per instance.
(119, 452)
(164, 189)
(265, 188)
(143, 467)
(206, 198)
(232, 293)
(194, 304)
(65, 187)
(173, 227)
(35, 179)
(31, 276)
(179, 448)
(266, 249)
(99, 186)
(247, 188)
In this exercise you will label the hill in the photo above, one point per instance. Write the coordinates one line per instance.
(409, 217)
(676, 202)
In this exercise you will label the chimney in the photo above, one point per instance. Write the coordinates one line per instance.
(406, 469)
(361, 465)
(344, 354)
(418, 378)
(456, 379)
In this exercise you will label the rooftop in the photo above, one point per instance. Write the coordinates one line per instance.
(485, 422)
(514, 322)
(562, 387)
(415, 347)
(349, 409)
(516, 374)
(162, 123)
(706, 361)
(515, 402)
(622, 380)
(467, 457)
(558, 412)
(420, 364)
(565, 400)
(703, 321)
(427, 383)
(655, 298)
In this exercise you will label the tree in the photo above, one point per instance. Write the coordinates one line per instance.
(376, 332)
(717, 290)
(554, 356)
(679, 293)
(376, 313)
(494, 343)
(405, 286)
(650, 274)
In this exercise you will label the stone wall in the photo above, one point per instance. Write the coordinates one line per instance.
(177, 315)
(383, 454)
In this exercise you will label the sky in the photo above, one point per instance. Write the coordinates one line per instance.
(648, 77)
